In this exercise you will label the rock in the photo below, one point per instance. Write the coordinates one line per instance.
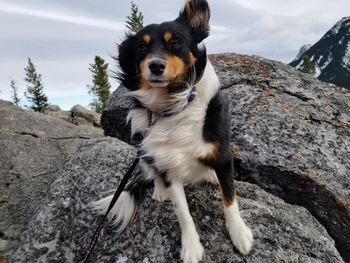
(61, 229)
(55, 111)
(290, 136)
(78, 115)
(33, 146)
(82, 116)
(53, 108)
(113, 119)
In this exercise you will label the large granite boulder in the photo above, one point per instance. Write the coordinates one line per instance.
(55, 111)
(77, 115)
(113, 119)
(290, 135)
(62, 226)
(83, 116)
(33, 147)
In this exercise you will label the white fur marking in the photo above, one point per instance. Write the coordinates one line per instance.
(241, 235)
(121, 213)
(192, 250)
(209, 84)
(138, 119)
(160, 192)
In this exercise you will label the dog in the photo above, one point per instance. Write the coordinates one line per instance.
(183, 124)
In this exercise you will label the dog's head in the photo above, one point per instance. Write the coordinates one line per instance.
(166, 55)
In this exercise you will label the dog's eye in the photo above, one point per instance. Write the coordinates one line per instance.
(174, 43)
(142, 47)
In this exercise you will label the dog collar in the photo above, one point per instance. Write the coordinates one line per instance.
(153, 117)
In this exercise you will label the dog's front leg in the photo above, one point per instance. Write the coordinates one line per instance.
(192, 249)
(240, 234)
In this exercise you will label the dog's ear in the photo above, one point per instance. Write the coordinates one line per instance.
(196, 15)
(126, 60)
(126, 56)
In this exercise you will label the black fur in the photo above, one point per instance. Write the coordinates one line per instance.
(201, 30)
(217, 130)
(136, 187)
(165, 178)
(133, 49)
(126, 60)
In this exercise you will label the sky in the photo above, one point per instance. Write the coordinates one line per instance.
(62, 37)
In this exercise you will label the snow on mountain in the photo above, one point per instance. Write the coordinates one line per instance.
(343, 22)
(346, 58)
(331, 55)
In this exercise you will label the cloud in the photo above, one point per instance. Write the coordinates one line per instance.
(58, 16)
(63, 36)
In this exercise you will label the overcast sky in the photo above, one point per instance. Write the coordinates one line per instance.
(63, 36)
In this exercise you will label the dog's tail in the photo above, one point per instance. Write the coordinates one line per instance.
(125, 207)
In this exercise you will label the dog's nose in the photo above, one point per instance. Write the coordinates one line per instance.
(157, 66)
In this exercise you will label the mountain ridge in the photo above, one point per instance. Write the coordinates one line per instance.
(331, 55)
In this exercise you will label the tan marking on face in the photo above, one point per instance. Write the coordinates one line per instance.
(167, 36)
(229, 201)
(192, 59)
(143, 66)
(147, 38)
(175, 67)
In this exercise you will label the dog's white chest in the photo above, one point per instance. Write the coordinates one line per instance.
(176, 142)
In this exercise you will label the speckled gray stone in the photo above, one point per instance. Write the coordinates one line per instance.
(78, 115)
(291, 136)
(62, 227)
(32, 147)
(113, 119)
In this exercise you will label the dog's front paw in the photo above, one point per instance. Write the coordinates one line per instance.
(241, 236)
(192, 250)
(160, 194)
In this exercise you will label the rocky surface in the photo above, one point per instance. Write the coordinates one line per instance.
(77, 115)
(33, 147)
(113, 119)
(62, 227)
(81, 116)
(291, 136)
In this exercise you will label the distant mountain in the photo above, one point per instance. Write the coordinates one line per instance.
(302, 50)
(331, 55)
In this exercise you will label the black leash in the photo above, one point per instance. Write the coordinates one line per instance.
(114, 200)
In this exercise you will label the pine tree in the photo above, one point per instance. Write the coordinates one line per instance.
(15, 98)
(134, 22)
(308, 65)
(35, 89)
(100, 84)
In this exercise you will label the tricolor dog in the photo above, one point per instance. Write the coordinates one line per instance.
(183, 122)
